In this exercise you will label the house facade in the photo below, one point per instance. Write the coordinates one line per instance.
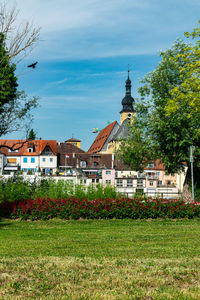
(1, 163)
(29, 156)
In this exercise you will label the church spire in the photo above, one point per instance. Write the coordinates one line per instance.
(128, 85)
(127, 102)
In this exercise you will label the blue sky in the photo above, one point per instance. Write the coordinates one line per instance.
(84, 53)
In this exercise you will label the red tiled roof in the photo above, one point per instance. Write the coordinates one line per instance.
(39, 146)
(101, 138)
(51, 143)
(158, 166)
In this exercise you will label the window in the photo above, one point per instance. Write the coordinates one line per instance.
(119, 182)
(108, 181)
(43, 159)
(141, 175)
(93, 180)
(151, 183)
(157, 174)
(151, 165)
(30, 149)
(12, 150)
(108, 172)
(25, 159)
(95, 163)
(159, 182)
(129, 182)
(83, 164)
(51, 159)
(139, 183)
(11, 160)
(32, 159)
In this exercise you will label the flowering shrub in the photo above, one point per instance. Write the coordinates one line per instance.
(73, 208)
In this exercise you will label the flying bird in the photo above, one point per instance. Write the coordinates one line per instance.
(33, 65)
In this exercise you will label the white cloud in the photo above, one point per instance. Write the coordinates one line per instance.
(82, 29)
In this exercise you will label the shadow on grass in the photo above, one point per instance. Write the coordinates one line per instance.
(4, 222)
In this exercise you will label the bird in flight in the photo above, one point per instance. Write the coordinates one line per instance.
(33, 65)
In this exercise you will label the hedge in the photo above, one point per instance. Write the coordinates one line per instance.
(73, 208)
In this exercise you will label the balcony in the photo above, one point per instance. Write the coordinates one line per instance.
(152, 177)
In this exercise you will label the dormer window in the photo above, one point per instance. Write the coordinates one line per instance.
(151, 165)
(13, 150)
(30, 147)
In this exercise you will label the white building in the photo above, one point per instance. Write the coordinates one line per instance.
(30, 156)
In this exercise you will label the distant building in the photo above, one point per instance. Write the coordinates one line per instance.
(1, 163)
(29, 156)
(108, 138)
(74, 142)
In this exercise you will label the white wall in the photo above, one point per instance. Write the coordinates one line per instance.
(29, 164)
(48, 163)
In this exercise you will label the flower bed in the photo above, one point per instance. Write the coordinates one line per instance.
(73, 208)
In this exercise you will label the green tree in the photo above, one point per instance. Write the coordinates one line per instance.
(185, 97)
(8, 81)
(163, 134)
(15, 106)
(31, 135)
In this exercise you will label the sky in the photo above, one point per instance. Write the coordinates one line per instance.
(84, 52)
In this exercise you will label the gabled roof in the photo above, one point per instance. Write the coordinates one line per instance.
(102, 138)
(51, 143)
(23, 145)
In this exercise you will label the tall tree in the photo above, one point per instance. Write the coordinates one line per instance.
(165, 133)
(8, 81)
(19, 39)
(31, 135)
(15, 41)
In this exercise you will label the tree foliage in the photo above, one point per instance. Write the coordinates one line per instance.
(31, 135)
(15, 41)
(8, 81)
(168, 118)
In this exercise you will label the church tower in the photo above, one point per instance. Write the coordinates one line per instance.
(127, 111)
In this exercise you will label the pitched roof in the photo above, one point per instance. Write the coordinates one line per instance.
(51, 143)
(123, 131)
(67, 148)
(102, 138)
(23, 145)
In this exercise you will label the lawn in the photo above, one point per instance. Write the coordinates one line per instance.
(100, 259)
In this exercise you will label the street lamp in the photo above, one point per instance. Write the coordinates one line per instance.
(192, 174)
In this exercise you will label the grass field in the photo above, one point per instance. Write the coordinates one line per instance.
(100, 259)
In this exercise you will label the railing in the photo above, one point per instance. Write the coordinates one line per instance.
(164, 195)
(152, 177)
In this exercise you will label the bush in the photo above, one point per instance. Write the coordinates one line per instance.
(16, 188)
(121, 208)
